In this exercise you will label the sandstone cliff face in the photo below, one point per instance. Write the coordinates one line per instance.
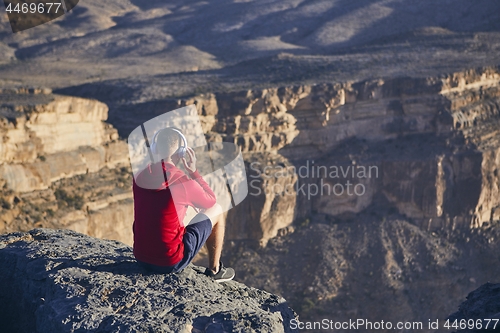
(60, 165)
(431, 145)
(67, 133)
(62, 281)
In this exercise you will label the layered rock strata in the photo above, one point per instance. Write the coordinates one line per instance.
(425, 147)
(61, 165)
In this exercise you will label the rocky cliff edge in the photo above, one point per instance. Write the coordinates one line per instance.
(481, 310)
(63, 281)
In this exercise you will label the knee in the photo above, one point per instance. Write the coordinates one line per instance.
(215, 213)
(216, 209)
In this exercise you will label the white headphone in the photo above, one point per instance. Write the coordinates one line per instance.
(181, 151)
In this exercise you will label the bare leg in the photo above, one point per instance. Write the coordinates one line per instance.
(216, 239)
(215, 242)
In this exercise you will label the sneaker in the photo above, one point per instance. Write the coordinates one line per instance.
(224, 273)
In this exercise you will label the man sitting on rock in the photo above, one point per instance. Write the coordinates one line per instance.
(162, 242)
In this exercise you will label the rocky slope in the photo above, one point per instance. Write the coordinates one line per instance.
(481, 307)
(377, 266)
(62, 281)
(336, 39)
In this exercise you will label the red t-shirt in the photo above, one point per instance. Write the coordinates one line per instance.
(159, 213)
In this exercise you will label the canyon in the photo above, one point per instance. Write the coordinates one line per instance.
(369, 132)
(430, 144)
(429, 205)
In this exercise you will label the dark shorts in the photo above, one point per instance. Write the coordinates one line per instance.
(195, 237)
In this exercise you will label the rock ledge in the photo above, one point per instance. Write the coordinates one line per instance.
(482, 304)
(63, 281)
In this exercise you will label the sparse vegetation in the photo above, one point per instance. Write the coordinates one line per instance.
(64, 199)
(254, 271)
(308, 306)
(304, 222)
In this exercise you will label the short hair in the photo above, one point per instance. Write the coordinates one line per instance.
(167, 142)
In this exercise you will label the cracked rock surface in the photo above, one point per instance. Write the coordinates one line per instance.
(63, 281)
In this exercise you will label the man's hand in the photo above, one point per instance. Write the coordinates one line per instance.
(191, 164)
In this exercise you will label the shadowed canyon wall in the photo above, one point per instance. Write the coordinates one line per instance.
(60, 165)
